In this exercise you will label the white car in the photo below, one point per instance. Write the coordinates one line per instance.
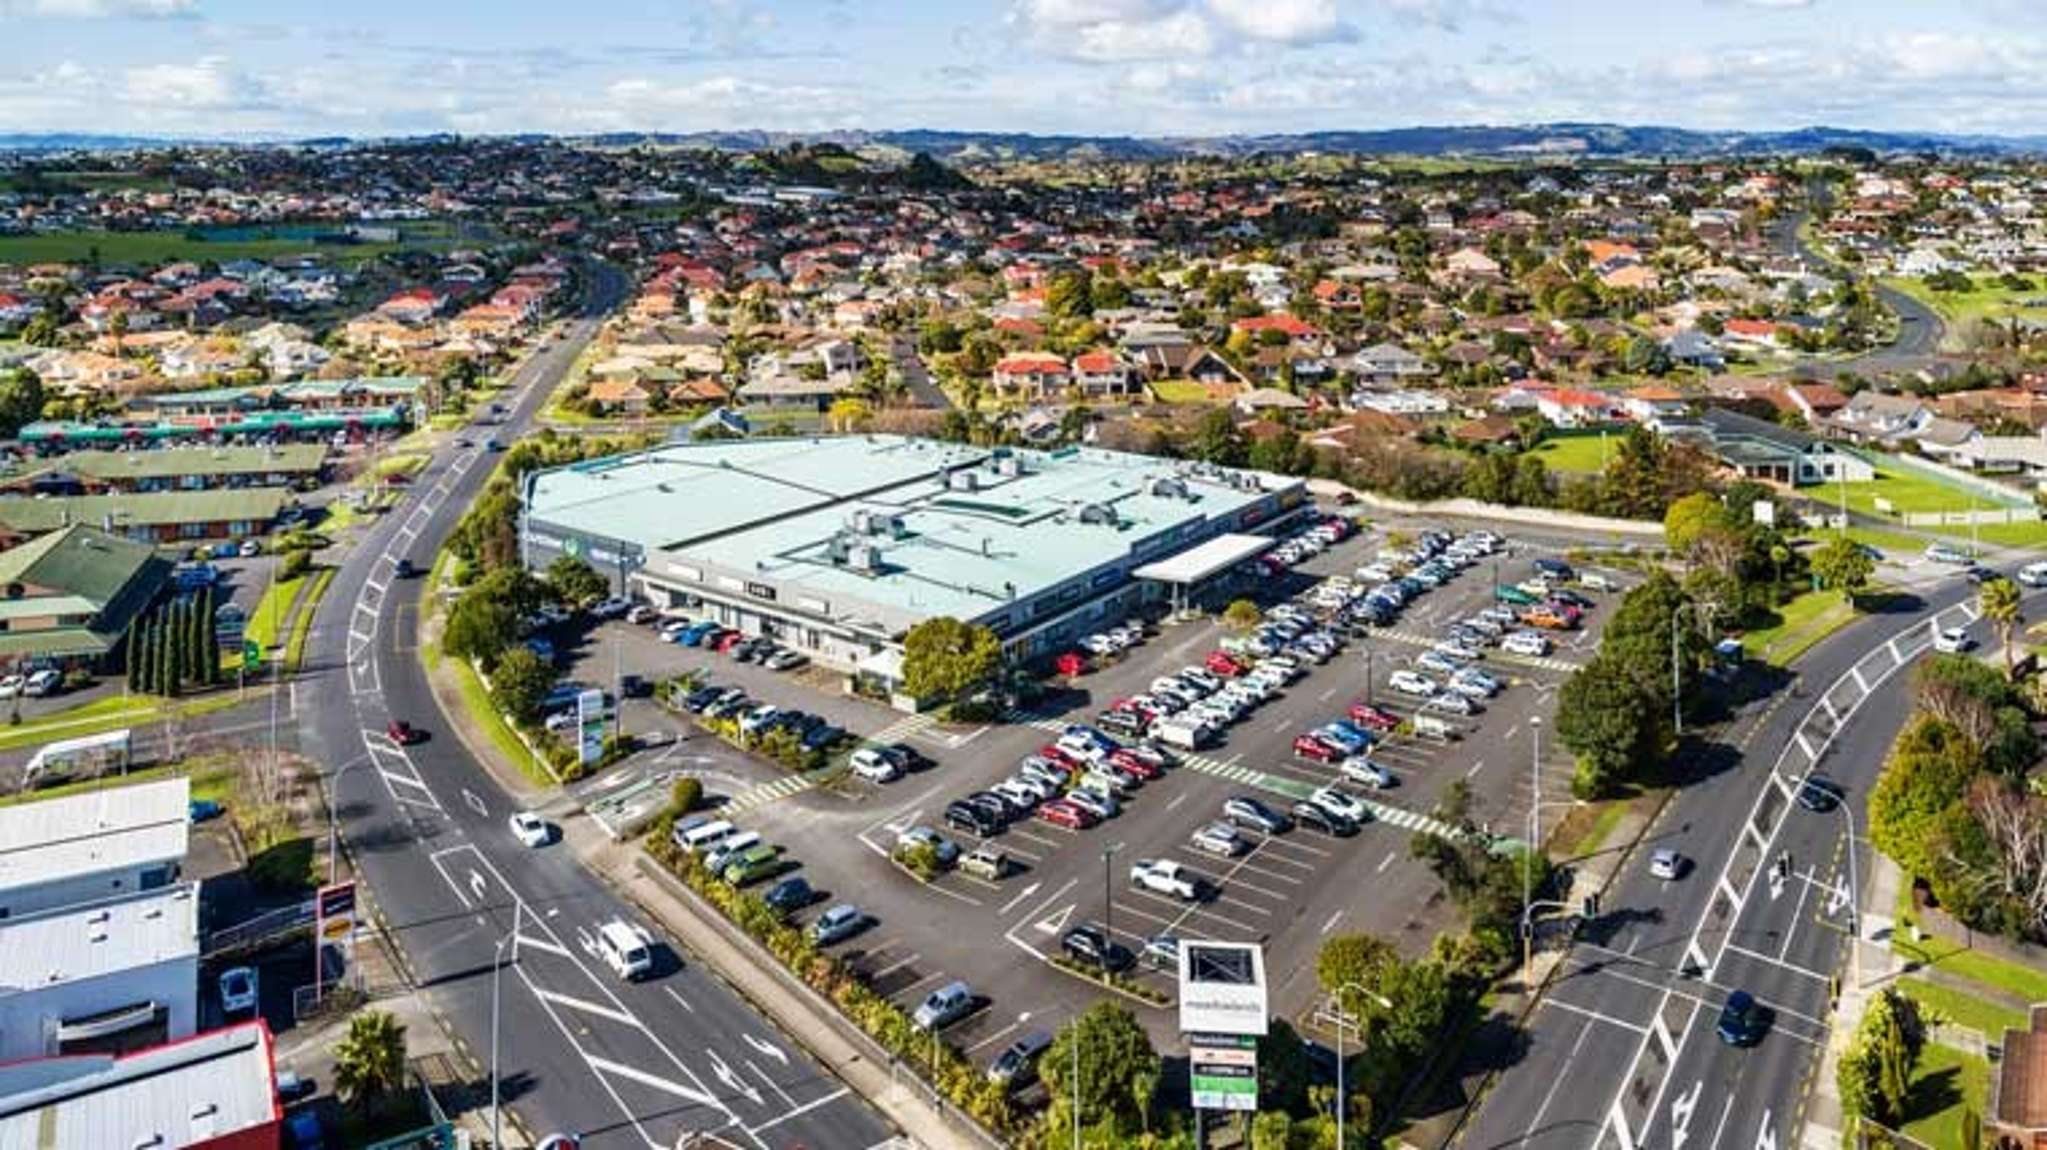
(1942, 553)
(1953, 641)
(1665, 863)
(610, 608)
(1163, 876)
(872, 765)
(1220, 838)
(1359, 769)
(43, 682)
(531, 829)
(2033, 575)
(238, 991)
(1412, 683)
(12, 685)
(1337, 802)
(1451, 702)
(1100, 804)
(1526, 643)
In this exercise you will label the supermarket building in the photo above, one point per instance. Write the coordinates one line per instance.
(836, 547)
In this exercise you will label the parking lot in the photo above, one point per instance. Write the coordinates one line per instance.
(1287, 890)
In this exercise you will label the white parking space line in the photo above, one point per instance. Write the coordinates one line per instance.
(993, 1038)
(1242, 905)
(892, 967)
(1793, 967)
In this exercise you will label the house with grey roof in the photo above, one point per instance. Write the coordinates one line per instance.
(1770, 452)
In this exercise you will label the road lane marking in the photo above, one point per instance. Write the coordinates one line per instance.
(679, 1000)
(834, 1096)
(634, 1074)
(1596, 1016)
(587, 1007)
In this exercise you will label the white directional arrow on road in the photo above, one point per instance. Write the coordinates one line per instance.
(1055, 922)
(1020, 896)
(477, 884)
(767, 1048)
(1681, 1109)
(732, 1081)
(1766, 1138)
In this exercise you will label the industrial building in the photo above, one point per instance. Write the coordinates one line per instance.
(110, 976)
(84, 847)
(215, 1091)
(836, 547)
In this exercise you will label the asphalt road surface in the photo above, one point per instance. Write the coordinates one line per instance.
(623, 1064)
(1621, 1051)
(1920, 328)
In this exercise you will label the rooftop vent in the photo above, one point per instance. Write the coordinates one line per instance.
(864, 558)
(963, 480)
(1169, 488)
(1100, 513)
(1009, 465)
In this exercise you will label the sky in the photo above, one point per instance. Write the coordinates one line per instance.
(293, 68)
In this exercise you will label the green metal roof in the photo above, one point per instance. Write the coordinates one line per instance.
(56, 643)
(145, 509)
(81, 561)
(176, 463)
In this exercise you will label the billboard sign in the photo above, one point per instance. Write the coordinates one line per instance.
(590, 726)
(336, 911)
(1222, 1071)
(1222, 988)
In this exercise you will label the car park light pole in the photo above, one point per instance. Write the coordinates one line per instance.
(497, 968)
(1368, 676)
(1342, 1020)
(1109, 896)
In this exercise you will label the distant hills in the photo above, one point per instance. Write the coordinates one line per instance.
(1556, 140)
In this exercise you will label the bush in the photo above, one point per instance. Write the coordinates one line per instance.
(1111, 979)
(920, 859)
(296, 562)
(684, 795)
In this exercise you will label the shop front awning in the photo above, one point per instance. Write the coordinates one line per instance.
(1198, 563)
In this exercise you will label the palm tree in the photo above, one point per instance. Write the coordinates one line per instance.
(1999, 601)
(369, 1062)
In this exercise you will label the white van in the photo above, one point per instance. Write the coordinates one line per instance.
(1434, 727)
(625, 949)
(1595, 581)
(699, 839)
(729, 848)
(1184, 732)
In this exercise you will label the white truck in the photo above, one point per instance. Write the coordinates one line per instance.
(1183, 731)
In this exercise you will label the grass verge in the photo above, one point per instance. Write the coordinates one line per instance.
(1802, 622)
(1956, 959)
(212, 778)
(1949, 1082)
(101, 719)
(271, 609)
(476, 700)
(302, 623)
(1961, 1008)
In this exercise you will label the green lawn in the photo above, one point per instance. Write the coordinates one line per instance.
(271, 610)
(1963, 1009)
(1583, 452)
(1182, 391)
(108, 714)
(1953, 957)
(212, 778)
(476, 700)
(2032, 534)
(1948, 1083)
(302, 623)
(1802, 622)
(1894, 545)
(162, 246)
(1986, 300)
(1906, 491)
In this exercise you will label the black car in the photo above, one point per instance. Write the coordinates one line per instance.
(997, 808)
(1819, 794)
(1980, 574)
(1125, 723)
(1563, 595)
(1743, 1020)
(1091, 946)
(634, 686)
(1246, 811)
(789, 894)
(971, 819)
(802, 722)
(702, 697)
(901, 757)
(1327, 822)
(823, 736)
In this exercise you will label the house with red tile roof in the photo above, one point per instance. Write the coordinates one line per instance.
(1103, 373)
(1759, 332)
(1292, 327)
(1572, 407)
(1031, 374)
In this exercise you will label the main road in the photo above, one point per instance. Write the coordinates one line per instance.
(1920, 328)
(622, 1064)
(1621, 1051)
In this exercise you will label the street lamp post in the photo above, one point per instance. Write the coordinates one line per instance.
(1342, 1020)
(1109, 895)
(497, 968)
(1534, 839)
(1368, 676)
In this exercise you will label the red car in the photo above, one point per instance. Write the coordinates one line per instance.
(403, 733)
(1061, 813)
(1071, 664)
(1310, 747)
(1373, 718)
(728, 640)
(1133, 765)
(1223, 664)
(1059, 758)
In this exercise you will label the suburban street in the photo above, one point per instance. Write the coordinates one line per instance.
(1620, 1051)
(1920, 329)
(622, 1064)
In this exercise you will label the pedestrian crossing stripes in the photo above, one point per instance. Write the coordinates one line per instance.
(1252, 777)
(765, 793)
(904, 727)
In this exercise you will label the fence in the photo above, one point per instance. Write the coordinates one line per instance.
(251, 933)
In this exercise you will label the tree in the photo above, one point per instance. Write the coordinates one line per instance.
(369, 1061)
(21, 400)
(520, 683)
(1242, 615)
(1928, 771)
(1999, 601)
(131, 650)
(574, 582)
(1218, 440)
(1283, 1068)
(1843, 566)
(1068, 296)
(1118, 1072)
(1875, 1075)
(1272, 1129)
(1609, 723)
(944, 658)
(1688, 518)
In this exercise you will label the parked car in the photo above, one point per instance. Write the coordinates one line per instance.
(1017, 1066)
(1412, 683)
(791, 894)
(1318, 818)
(1359, 769)
(1162, 951)
(944, 1006)
(1220, 838)
(1246, 811)
(1090, 945)
(875, 767)
(1312, 747)
(238, 991)
(1163, 876)
(531, 829)
(838, 924)
(925, 836)
(1339, 802)
(1374, 718)
(42, 683)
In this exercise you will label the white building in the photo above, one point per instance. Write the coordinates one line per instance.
(101, 977)
(85, 847)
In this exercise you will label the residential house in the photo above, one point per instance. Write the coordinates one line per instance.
(1388, 363)
(1873, 417)
(1816, 402)
(1030, 374)
(1263, 401)
(2018, 1088)
(1654, 403)
(1573, 407)
(72, 593)
(1760, 333)
(1103, 373)
(1770, 452)
(1471, 264)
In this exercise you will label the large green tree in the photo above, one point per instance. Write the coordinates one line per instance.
(574, 582)
(1999, 602)
(1842, 565)
(21, 400)
(520, 683)
(1118, 1073)
(488, 617)
(369, 1061)
(944, 658)
(1609, 723)
(1875, 1075)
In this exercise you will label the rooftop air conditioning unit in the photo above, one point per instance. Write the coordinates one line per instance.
(864, 558)
(1100, 513)
(1009, 465)
(963, 480)
(1169, 488)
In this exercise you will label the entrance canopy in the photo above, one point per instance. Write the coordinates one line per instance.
(1196, 564)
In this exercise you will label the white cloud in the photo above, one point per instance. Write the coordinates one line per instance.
(720, 102)
(1283, 21)
(98, 9)
(208, 84)
(1180, 34)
